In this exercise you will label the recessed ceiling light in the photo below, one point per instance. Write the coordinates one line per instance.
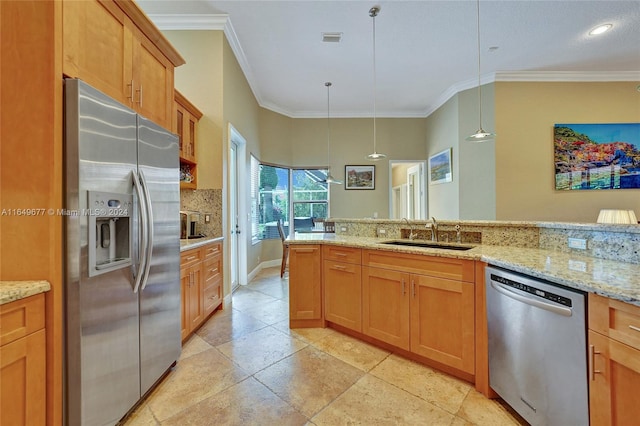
(331, 37)
(600, 29)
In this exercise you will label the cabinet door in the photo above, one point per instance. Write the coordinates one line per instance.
(196, 297)
(97, 47)
(343, 294)
(153, 81)
(385, 305)
(442, 321)
(614, 382)
(305, 282)
(185, 284)
(22, 381)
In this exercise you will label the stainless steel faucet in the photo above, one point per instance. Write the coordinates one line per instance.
(412, 235)
(434, 229)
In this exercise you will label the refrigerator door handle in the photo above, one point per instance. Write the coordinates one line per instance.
(142, 254)
(149, 246)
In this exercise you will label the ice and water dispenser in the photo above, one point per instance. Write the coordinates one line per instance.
(110, 226)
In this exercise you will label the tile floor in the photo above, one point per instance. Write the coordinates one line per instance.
(246, 367)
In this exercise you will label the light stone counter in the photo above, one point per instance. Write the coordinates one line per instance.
(199, 242)
(10, 291)
(617, 280)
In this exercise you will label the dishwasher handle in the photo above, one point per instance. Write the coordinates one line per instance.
(560, 310)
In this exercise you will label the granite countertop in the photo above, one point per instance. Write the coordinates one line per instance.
(10, 291)
(617, 280)
(199, 242)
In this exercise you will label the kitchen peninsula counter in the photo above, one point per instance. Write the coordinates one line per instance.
(198, 242)
(617, 280)
(10, 291)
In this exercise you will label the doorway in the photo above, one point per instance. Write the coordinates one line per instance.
(236, 234)
(407, 189)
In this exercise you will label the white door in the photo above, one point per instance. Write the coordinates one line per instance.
(233, 214)
(238, 230)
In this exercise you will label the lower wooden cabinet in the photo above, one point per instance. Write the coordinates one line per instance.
(201, 285)
(343, 294)
(305, 286)
(23, 362)
(442, 321)
(614, 362)
(385, 305)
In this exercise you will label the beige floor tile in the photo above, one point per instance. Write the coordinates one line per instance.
(459, 421)
(247, 299)
(352, 351)
(270, 312)
(308, 335)
(142, 416)
(372, 401)
(230, 324)
(193, 345)
(309, 379)
(274, 287)
(195, 378)
(260, 349)
(481, 411)
(440, 389)
(247, 403)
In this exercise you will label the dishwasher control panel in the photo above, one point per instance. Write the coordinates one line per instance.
(532, 290)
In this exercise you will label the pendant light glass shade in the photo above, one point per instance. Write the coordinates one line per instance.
(330, 179)
(375, 156)
(480, 135)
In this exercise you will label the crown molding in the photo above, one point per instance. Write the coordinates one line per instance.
(567, 76)
(192, 22)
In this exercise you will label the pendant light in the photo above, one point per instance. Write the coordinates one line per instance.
(375, 156)
(480, 135)
(330, 179)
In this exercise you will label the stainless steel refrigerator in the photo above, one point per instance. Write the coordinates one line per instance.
(122, 272)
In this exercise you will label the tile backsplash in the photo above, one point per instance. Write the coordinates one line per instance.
(207, 202)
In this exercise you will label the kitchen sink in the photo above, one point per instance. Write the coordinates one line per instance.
(428, 244)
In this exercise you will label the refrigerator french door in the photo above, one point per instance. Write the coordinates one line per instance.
(122, 290)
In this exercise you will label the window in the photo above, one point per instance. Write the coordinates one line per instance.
(269, 199)
(270, 195)
(310, 198)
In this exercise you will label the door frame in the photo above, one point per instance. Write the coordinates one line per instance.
(423, 182)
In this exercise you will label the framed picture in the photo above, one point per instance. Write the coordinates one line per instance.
(596, 156)
(360, 177)
(440, 167)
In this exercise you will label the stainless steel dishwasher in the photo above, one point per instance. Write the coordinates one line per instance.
(537, 348)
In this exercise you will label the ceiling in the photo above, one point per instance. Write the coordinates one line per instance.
(426, 51)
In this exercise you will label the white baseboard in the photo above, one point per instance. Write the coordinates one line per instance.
(261, 266)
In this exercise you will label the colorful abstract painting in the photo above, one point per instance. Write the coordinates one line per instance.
(597, 156)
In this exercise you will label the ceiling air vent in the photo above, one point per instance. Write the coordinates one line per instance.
(331, 37)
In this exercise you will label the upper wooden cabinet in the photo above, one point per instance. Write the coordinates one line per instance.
(115, 48)
(185, 125)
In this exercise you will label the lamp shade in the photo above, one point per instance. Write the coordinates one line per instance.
(617, 216)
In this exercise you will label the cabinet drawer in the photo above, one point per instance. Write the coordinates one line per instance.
(212, 250)
(342, 254)
(212, 297)
(212, 268)
(190, 257)
(618, 320)
(21, 318)
(442, 267)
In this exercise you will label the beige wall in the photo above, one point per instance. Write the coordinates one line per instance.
(525, 116)
(201, 81)
(442, 133)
